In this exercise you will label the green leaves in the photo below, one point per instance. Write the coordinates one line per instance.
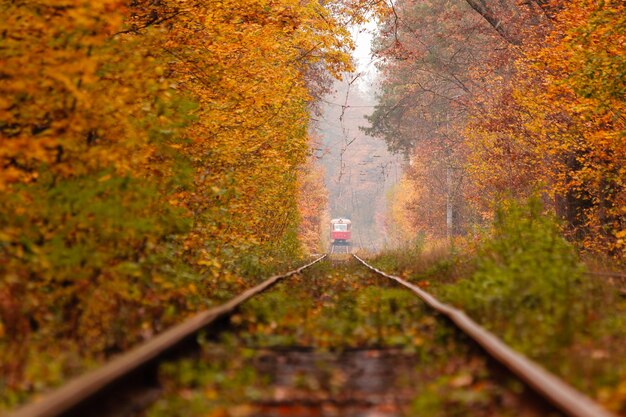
(528, 280)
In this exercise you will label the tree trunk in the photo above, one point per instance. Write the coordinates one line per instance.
(512, 19)
(496, 21)
(449, 212)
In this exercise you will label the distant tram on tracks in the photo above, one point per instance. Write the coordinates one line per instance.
(340, 231)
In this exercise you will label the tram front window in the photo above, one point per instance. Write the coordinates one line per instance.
(340, 227)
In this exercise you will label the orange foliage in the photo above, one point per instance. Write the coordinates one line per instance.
(402, 213)
(313, 204)
(148, 153)
(558, 126)
(517, 99)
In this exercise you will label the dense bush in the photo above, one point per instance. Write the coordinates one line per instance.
(528, 283)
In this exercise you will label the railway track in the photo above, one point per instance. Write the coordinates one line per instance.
(93, 394)
(564, 397)
(281, 331)
(337, 249)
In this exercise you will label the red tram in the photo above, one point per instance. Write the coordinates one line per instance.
(340, 231)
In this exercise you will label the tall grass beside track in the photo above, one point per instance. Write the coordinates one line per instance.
(528, 285)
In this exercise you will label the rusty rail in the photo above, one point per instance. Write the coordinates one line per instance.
(561, 395)
(79, 391)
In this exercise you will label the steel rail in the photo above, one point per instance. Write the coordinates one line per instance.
(83, 388)
(550, 387)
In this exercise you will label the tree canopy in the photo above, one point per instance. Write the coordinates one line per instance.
(150, 155)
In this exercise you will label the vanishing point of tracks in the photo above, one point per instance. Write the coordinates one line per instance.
(337, 249)
(130, 382)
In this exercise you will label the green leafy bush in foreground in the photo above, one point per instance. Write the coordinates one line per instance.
(528, 284)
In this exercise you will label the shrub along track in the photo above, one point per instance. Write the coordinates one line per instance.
(336, 339)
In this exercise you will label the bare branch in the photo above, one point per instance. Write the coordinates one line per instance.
(496, 22)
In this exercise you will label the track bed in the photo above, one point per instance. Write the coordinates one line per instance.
(339, 340)
(332, 338)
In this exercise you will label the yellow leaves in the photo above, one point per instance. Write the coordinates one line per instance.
(614, 398)
(56, 96)
(621, 237)
(115, 138)
(252, 119)
(312, 205)
(556, 127)
(210, 262)
(461, 380)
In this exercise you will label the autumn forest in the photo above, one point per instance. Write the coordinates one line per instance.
(158, 157)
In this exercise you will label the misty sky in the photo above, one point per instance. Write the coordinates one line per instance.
(359, 171)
